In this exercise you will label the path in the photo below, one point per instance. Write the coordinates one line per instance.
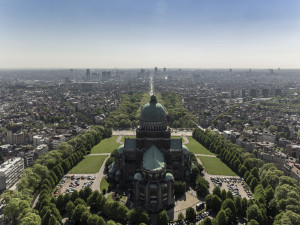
(205, 155)
(118, 140)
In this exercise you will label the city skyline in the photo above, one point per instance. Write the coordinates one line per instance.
(134, 34)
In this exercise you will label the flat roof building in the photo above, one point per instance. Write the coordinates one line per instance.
(10, 171)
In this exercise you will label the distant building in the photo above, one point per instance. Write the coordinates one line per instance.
(293, 151)
(155, 70)
(277, 92)
(41, 150)
(242, 93)
(265, 93)
(106, 75)
(88, 75)
(56, 140)
(38, 140)
(292, 170)
(15, 138)
(253, 93)
(10, 172)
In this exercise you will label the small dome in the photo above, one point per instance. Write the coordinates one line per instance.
(138, 176)
(153, 112)
(169, 176)
(185, 150)
(121, 149)
(118, 173)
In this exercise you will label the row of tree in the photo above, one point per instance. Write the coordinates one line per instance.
(44, 175)
(265, 180)
(178, 116)
(125, 116)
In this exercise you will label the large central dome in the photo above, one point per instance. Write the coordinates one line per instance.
(153, 112)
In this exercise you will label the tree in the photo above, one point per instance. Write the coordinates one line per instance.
(53, 220)
(163, 218)
(202, 186)
(95, 220)
(69, 209)
(84, 217)
(253, 183)
(242, 170)
(252, 222)
(228, 203)
(180, 216)
(238, 205)
(221, 218)
(87, 192)
(93, 200)
(207, 221)
(77, 212)
(74, 195)
(179, 188)
(217, 191)
(12, 210)
(31, 219)
(253, 212)
(223, 194)
(229, 195)
(190, 214)
(79, 201)
(254, 172)
(216, 203)
(194, 173)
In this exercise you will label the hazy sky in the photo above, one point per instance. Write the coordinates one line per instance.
(148, 33)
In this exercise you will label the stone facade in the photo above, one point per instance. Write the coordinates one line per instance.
(151, 162)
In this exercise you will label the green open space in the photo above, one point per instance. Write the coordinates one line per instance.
(215, 166)
(103, 184)
(195, 147)
(90, 164)
(110, 198)
(107, 145)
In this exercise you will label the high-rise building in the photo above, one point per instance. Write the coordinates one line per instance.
(88, 75)
(265, 93)
(253, 93)
(242, 93)
(155, 70)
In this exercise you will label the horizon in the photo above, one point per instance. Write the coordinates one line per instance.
(145, 34)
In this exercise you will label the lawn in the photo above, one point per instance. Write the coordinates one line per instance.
(195, 147)
(107, 145)
(90, 164)
(103, 184)
(215, 166)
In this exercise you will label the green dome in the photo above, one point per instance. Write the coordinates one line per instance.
(138, 176)
(153, 111)
(121, 149)
(169, 176)
(185, 150)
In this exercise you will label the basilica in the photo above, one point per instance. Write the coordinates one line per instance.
(151, 162)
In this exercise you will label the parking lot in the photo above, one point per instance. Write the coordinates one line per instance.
(69, 183)
(234, 184)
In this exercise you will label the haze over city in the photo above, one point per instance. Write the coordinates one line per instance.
(144, 34)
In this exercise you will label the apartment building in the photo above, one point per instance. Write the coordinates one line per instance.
(10, 171)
